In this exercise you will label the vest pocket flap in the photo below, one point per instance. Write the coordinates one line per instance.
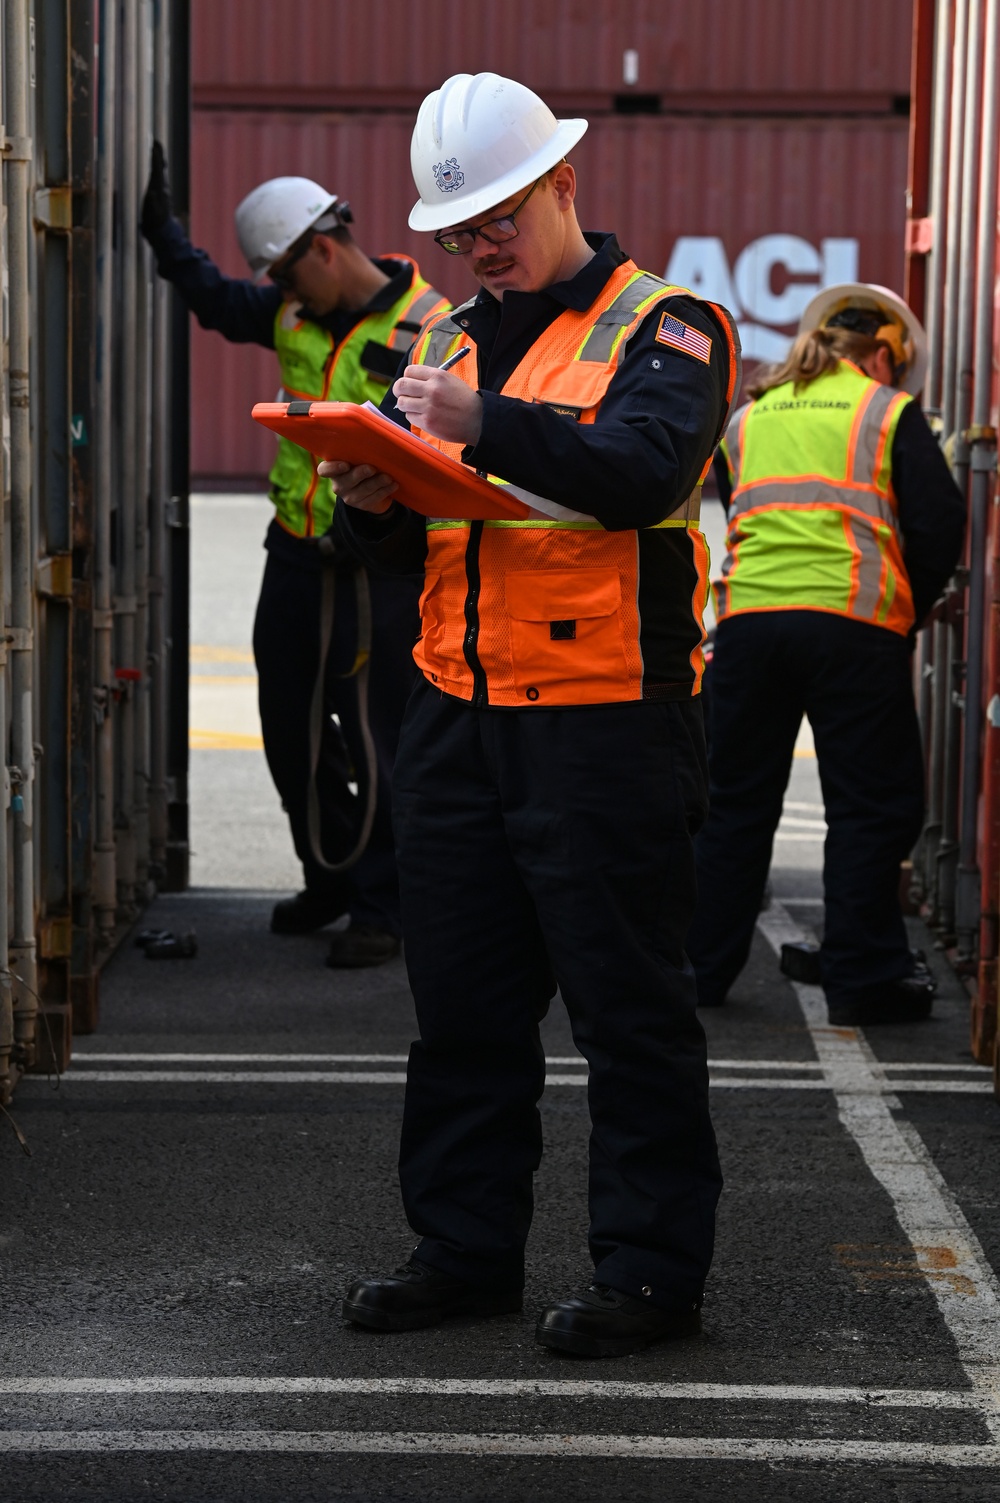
(566, 595)
(570, 383)
(379, 361)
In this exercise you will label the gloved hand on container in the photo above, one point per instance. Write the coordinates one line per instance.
(156, 204)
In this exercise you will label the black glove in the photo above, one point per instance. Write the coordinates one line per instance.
(156, 205)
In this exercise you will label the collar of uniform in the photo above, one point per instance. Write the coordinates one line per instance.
(577, 292)
(340, 321)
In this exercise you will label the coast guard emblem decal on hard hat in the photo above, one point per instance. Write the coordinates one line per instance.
(448, 175)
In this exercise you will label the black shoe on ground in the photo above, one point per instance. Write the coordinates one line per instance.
(305, 913)
(360, 945)
(603, 1322)
(907, 1001)
(800, 962)
(417, 1295)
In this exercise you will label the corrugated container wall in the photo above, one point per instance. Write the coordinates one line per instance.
(758, 54)
(758, 152)
(953, 256)
(93, 542)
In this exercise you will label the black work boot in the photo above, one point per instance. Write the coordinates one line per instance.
(417, 1295)
(307, 911)
(604, 1322)
(908, 1000)
(360, 945)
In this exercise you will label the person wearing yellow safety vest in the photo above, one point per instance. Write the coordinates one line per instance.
(844, 526)
(551, 766)
(340, 325)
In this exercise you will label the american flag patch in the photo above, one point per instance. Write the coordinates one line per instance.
(681, 336)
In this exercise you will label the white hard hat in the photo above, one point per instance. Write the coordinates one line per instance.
(274, 215)
(900, 328)
(478, 139)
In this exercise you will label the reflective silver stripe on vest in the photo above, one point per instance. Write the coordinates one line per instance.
(541, 503)
(690, 511)
(444, 332)
(866, 448)
(734, 447)
(866, 602)
(418, 310)
(601, 339)
(811, 492)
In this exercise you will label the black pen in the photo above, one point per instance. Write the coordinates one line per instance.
(454, 359)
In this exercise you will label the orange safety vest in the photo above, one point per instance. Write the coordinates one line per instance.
(546, 611)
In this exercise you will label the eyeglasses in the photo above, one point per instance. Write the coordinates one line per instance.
(461, 242)
(280, 278)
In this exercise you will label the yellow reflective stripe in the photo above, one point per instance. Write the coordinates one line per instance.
(545, 522)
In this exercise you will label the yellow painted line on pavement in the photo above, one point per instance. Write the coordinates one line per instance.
(223, 679)
(223, 741)
(204, 654)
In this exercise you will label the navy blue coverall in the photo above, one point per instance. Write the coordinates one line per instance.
(854, 682)
(287, 628)
(539, 847)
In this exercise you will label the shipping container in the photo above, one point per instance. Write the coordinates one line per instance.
(93, 551)
(951, 279)
(753, 212)
(757, 55)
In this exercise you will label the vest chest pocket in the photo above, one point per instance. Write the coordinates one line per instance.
(573, 387)
(566, 636)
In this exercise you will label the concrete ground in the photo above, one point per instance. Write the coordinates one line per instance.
(220, 1162)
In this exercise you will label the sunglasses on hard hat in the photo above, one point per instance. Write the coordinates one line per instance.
(460, 242)
(279, 274)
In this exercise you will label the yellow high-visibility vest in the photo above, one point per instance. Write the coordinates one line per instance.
(813, 519)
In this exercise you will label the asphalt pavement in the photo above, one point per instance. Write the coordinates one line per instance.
(219, 1164)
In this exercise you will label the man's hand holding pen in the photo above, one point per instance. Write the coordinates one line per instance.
(430, 399)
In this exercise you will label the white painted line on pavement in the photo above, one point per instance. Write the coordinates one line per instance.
(437, 1443)
(558, 1388)
(968, 1296)
(386, 1077)
(81, 1057)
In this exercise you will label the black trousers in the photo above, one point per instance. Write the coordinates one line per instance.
(539, 847)
(854, 683)
(287, 648)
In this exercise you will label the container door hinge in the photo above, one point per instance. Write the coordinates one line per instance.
(919, 237)
(54, 576)
(54, 208)
(175, 512)
(55, 938)
(18, 149)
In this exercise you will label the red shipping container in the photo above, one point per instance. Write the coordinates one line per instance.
(761, 55)
(754, 212)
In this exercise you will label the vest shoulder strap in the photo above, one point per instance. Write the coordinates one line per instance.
(436, 339)
(611, 329)
(415, 314)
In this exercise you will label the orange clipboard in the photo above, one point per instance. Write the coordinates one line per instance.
(429, 482)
